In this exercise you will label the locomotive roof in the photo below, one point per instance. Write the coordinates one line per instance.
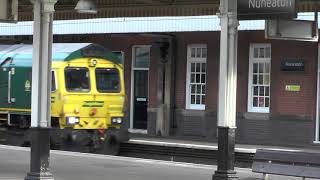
(21, 54)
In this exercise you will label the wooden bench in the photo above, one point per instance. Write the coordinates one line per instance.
(288, 163)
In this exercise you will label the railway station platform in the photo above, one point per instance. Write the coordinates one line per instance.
(15, 163)
(194, 151)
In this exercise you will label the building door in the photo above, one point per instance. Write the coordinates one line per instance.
(140, 90)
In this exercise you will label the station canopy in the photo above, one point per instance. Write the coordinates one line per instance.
(142, 8)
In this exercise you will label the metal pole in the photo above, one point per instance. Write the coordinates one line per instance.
(227, 90)
(41, 90)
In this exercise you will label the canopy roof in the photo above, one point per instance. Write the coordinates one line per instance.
(21, 54)
(143, 8)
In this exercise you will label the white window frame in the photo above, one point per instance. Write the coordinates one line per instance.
(250, 92)
(133, 68)
(188, 78)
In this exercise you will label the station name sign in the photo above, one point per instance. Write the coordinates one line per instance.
(292, 65)
(266, 9)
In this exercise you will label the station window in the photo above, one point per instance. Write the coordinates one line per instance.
(196, 77)
(259, 78)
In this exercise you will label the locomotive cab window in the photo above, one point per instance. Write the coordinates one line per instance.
(77, 79)
(108, 80)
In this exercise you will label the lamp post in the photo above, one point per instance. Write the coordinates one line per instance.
(41, 90)
(227, 90)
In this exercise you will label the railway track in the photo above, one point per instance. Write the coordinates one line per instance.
(180, 154)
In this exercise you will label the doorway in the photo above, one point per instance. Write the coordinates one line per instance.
(140, 88)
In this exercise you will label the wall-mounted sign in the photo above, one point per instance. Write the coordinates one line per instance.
(292, 65)
(299, 30)
(266, 9)
(294, 88)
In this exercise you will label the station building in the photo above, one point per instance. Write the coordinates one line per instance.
(171, 76)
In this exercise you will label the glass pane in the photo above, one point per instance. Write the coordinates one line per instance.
(77, 79)
(197, 78)
(261, 53)
(255, 91)
(255, 79)
(267, 68)
(193, 78)
(193, 99)
(193, 89)
(198, 67)
(193, 52)
(198, 52)
(255, 68)
(203, 89)
(261, 91)
(261, 67)
(204, 52)
(142, 57)
(267, 91)
(107, 80)
(203, 67)
(260, 79)
(255, 52)
(261, 101)
(255, 102)
(198, 99)
(203, 78)
(203, 99)
(268, 52)
(266, 79)
(198, 89)
(193, 67)
(267, 103)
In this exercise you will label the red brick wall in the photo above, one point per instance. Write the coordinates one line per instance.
(283, 102)
(301, 103)
(212, 42)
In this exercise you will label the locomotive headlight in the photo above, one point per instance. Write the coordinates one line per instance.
(73, 120)
(116, 120)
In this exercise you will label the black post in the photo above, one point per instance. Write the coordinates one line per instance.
(40, 150)
(226, 144)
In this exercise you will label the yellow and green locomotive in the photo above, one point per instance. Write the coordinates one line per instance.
(87, 93)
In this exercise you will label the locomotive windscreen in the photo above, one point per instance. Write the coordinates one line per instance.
(108, 80)
(77, 79)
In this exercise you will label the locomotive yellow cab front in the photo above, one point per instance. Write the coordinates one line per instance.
(87, 99)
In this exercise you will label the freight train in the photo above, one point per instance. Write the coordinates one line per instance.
(87, 95)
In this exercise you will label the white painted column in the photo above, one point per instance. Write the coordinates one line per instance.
(227, 90)
(41, 63)
(41, 90)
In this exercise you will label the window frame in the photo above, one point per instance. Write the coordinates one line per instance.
(108, 91)
(89, 80)
(188, 76)
(253, 60)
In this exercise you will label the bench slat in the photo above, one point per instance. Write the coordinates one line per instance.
(288, 170)
(289, 157)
